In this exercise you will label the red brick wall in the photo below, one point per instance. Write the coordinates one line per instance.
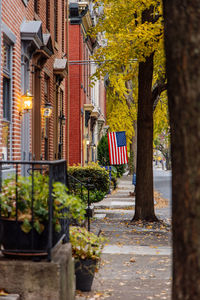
(75, 72)
(13, 14)
(80, 93)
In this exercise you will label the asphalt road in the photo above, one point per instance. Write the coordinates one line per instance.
(162, 183)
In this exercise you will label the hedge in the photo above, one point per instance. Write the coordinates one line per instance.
(93, 174)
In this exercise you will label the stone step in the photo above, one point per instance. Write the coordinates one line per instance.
(127, 194)
(115, 204)
(10, 297)
(99, 216)
(102, 211)
(124, 186)
(118, 203)
(129, 199)
(137, 250)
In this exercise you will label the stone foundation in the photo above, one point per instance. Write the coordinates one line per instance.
(42, 280)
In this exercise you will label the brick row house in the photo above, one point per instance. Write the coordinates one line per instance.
(33, 46)
(65, 116)
(87, 103)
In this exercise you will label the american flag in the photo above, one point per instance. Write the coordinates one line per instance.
(117, 148)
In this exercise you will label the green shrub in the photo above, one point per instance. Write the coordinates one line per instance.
(92, 174)
(120, 170)
(85, 244)
(61, 201)
(103, 151)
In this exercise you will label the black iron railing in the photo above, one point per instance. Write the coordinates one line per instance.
(83, 190)
(37, 245)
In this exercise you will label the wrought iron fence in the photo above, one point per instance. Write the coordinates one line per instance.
(83, 191)
(11, 225)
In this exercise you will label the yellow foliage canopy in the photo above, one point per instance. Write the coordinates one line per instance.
(127, 41)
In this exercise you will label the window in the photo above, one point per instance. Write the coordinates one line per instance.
(46, 88)
(47, 100)
(6, 80)
(6, 100)
(48, 14)
(56, 20)
(6, 58)
(61, 116)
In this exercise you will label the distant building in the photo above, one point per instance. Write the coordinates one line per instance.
(87, 104)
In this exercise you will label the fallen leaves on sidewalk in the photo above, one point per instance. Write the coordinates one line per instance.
(93, 295)
(132, 260)
(160, 201)
(160, 225)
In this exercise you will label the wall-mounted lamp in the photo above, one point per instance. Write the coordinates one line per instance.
(47, 110)
(93, 146)
(87, 142)
(27, 103)
(62, 119)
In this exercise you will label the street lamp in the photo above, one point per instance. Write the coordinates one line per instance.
(27, 103)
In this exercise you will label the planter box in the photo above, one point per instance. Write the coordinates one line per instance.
(18, 243)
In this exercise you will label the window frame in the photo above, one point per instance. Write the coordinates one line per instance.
(7, 76)
(7, 93)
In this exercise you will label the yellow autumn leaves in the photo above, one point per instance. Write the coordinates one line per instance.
(128, 41)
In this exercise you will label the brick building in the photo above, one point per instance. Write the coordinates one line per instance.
(33, 59)
(87, 104)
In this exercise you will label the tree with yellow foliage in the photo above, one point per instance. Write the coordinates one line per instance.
(133, 58)
(161, 134)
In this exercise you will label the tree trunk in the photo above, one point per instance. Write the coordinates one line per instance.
(182, 43)
(144, 208)
(135, 147)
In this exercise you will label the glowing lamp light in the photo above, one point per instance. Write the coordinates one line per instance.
(47, 111)
(27, 102)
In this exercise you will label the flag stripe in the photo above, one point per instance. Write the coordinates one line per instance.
(110, 149)
(118, 154)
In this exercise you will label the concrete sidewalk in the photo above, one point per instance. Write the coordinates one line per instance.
(136, 262)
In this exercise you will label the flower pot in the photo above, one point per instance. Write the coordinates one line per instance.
(18, 243)
(85, 270)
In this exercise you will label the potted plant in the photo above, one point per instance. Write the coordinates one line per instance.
(23, 223)
(86, 250)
